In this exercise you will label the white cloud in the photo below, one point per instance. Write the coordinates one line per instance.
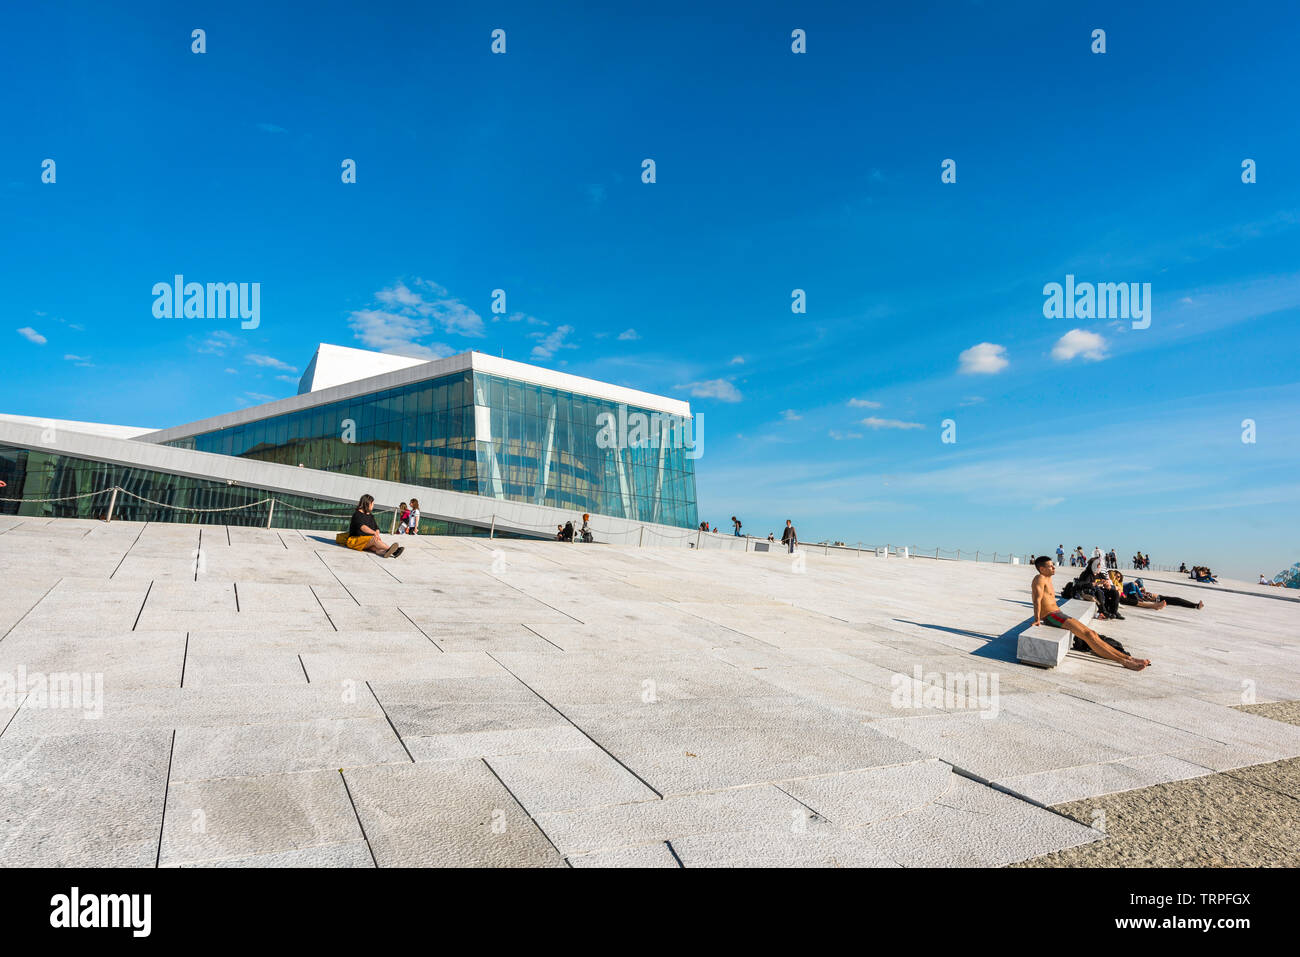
(407, 314)
(395, 333)
(872, 422)
(841, 436)
(31, 335)
(287, 378)
(972, 400)
(217, 343)
(790, 415)
(269, 362)
(524, 317)
(552, 342)
(863, 404)
(1079, 342)
(986, 358)
(737, 361)
(628, 335)
(71, 358)
(719, 389)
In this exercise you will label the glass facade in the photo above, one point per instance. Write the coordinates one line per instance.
(491, 436)
(83, 486)
(420, 434)
(545, 446)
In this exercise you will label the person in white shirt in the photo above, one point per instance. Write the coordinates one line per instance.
(413, 519)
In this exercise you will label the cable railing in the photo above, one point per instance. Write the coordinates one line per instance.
(641, 534)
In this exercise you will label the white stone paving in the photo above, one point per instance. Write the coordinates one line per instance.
(271, 699)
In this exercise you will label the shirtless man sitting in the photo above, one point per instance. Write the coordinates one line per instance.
(1046, 612)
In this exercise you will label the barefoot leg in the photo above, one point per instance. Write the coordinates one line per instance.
(1101, 648)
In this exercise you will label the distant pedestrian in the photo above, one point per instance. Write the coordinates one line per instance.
(413, 518)
(736, 522)
(789, 537)
(405, 513)
(1060, 555)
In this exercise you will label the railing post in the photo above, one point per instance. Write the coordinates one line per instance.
(112, 503)
(492, 532)
(959, 554)
(270, 512)
(977, 554)
(641, 541)
(698, 533)
(936, 551)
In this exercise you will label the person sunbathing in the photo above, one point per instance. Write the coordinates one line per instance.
(1136, 589)
(1046, 612)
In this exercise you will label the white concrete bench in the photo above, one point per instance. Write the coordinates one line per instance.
(1045, 646)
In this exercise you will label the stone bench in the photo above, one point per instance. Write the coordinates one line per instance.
(1045, 646)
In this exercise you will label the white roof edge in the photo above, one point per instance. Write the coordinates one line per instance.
(70, 425)
(567, 382)
(433, 369)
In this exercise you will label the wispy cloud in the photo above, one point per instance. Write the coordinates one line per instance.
(863, 404)
(217, 343)
(271, 128)
(406, 314)
(719, 389)
(31, 335)
(872, 422)
(986, 358)
(552, 342)
(269, 362)
(628, 335)
(790, 415)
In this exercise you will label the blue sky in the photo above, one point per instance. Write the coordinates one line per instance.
(775, 171)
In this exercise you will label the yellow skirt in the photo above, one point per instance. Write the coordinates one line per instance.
(360, 542)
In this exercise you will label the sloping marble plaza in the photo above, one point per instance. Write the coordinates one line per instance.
(179, 695)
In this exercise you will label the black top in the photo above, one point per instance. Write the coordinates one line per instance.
(360, 518)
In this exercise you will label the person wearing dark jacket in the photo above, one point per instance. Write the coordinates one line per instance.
(363, 531)
(789, 537)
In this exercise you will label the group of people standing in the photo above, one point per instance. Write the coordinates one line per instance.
(1108, 559)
